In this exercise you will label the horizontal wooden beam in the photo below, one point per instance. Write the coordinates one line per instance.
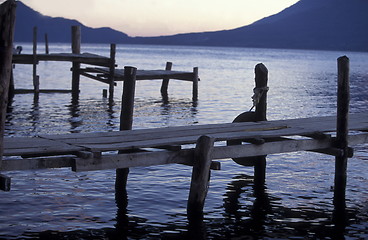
(26, 91)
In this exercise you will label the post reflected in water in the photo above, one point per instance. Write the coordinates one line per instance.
(121, 200)
(74, 120)
(246, 220)
(35, 111)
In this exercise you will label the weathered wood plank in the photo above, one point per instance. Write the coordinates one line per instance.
(322, 124)
(36, 146)
(37, 163)
(86, 58)
(184, 156)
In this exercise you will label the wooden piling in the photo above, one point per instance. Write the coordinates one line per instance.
(46, 44)
(76, 46)
(7, 20)
(127, 108)
(36, 79)
(126, 123)
(343, 98)
(261, 79)
(195, 84)
(200, 177)
(112, 71)
(165, 83)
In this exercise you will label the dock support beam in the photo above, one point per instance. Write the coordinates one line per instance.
(112, 71)
(165, 84)
(76, 46)
(200, 177)
(343, 98)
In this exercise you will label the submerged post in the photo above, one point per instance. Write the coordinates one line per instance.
(126, 121)
(76, 45)
(7, 19)
(112, 71)
(343, 98)
(195, 84)
(36, 78)
(200, 177)
(165, 83)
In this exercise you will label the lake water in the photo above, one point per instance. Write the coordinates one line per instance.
(297, 201)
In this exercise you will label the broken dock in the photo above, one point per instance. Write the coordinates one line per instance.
(101, 68)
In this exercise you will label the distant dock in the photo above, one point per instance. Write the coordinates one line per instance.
(101, 68)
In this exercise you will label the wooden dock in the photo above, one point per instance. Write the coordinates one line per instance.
(100, 68)
(92, 151)
(249, 138)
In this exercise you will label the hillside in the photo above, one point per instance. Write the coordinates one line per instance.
(58, 29)
(308, 24)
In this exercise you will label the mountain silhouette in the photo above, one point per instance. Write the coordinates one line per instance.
(58, 29)
(308, 24)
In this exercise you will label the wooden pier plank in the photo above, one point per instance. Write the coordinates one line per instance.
(189, 134)
(150, 138)
(20, 146)
(86, 58)
(142, 74)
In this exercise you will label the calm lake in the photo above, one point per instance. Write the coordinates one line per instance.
(297, 202)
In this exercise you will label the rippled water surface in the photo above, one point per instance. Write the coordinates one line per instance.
(296, 202)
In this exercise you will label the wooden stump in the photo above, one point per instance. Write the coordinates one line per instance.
(165, 84)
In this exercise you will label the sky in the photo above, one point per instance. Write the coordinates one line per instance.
(161, 17)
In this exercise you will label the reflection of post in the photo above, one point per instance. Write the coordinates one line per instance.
(343, 97)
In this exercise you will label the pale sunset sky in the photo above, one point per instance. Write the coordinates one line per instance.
(161, 17)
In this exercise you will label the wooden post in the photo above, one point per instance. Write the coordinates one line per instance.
(76, 45)
(36, 79)
(343, 98)
(7, 19)
(126, 116)
(261, 79)
(165, 83)
(195, 84)
(126, 123)
(112, 71)
(46, 44)
(200, 177)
